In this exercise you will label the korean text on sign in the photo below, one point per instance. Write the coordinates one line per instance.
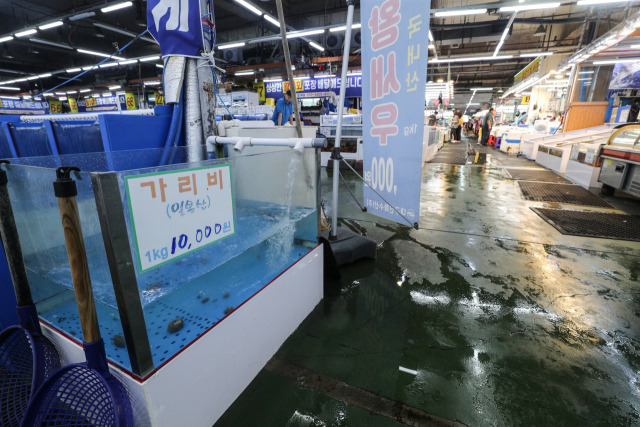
(175, 213)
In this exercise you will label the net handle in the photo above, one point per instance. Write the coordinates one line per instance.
(11, 242)
(66, 192)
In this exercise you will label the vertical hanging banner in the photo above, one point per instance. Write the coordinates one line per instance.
(73, 105)
(395, 35)
(176, 26)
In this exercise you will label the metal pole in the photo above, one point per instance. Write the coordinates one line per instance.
(287, 60)
(193, 118)
(336, 150)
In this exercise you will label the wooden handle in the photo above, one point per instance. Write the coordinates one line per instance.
(79, 268)
(13, 250)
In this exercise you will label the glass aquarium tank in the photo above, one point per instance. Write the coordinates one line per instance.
(226, 227)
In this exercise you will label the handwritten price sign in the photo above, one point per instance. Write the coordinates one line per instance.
(175, 213)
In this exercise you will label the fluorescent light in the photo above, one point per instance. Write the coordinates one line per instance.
(32, 78)
(230, 45)
(82, 16)
(344, 28)
(471, 58)
(460, 12)
(85, 90)
(45, 75)
(430, 36)
(130, 61)
(304, 33)
(96, 95)
(150, 58)
(159, 65)
(249, 6)
(586, 72)
(109, 64)
(62, 98)
(588, 2)
(635, 46)
(117, 6)
(153, 83)
(20, 80)
(316, 46)
(47, 42)
(432, 46)
(535, 54)
(106, 94)
(9, 88)
(584, 80)
(481, 88)
(91, 67)
(244, 73)
(71, 92)
(26, 32)
(6, 39)
(60, 93)
(73, 70)
(529, 7)
(50, 25)
(11, 97)
(114, 87)
(274, 21)
(94, 53)
(616, 61)
(272, 80)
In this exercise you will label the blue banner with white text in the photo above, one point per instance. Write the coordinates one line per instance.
(315, 87)
(176, 26)
(394, 71)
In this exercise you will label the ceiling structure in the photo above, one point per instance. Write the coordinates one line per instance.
(460, 29)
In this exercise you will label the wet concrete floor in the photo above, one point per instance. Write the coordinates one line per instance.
(485, 316)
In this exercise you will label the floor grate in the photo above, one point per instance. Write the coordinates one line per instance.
(560, 193)
(536, 175)
(592, 224)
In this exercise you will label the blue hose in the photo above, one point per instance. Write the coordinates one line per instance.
(174, 131)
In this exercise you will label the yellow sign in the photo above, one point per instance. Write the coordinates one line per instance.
(73, 105)
(0, 103)
(159, 98)
(131, 101)
(525, 100)
(55, 107)
(260, 88)
(90, 102)
(270, 101)
(299, 86)
(528, 70)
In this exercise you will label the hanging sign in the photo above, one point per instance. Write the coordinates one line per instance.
(14, 106)
(260, 88)
(55, 107)
(73, 105)
(130, 100)
(394, 63)
(315, 87)
(159, 98)
(175, 213)
(176, 26)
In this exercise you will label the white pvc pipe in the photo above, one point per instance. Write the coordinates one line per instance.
(241, 142)
(82, 116)
(336, 163)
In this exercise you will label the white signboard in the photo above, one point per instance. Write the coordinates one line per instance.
(175, 213)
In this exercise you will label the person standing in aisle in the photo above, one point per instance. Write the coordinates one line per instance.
(460, 125)
(283, 111)
(633, 111)
(454, 128)
(487, 124)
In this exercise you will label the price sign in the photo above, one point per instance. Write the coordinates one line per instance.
(159, 98)
(260, 88)
(130, 100)
(55, 107)
(91, 102)
(73, 105)
(299, 86)
(175, 213)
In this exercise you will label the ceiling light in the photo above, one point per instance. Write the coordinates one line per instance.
(26, 32)
(85, 90)
(529, 7)
(460, 12)
(304, 33)
(96, 95)
(106, 94)
(230, 45)
(32, 78)
(588, 2)
(430, 36)
(272, 80)
(159, 65)
(249, 6)
(482, 88)
(114, 87)
(50, 25)
(9, 88)
(109, 64)
(150, 58)
(45, 75)
(616, 61)
(82, 16)
(71, 92)
(20, 80)
(344, 28)
(129, 61)
(152, 83)
(117, 6)
(535, 54)
(274, 21)
(244, 73)
(60, 93)
(73, 70)
(471, 58)
(586, 72)
(316, 46)
(47, 42)
(62, 98)
(94, 53)
(11, 97)
(432, 46)
(91, 67)
(6, 39)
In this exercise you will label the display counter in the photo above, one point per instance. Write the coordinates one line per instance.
(583, 166)
(555, 155)
(530, 144)
(351, 141)
(621, 160)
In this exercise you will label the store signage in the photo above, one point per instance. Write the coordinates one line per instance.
(14, 106)
(525, 100)
(106, 103)
(175, 213)
(130, 100)
(316, 85)
(528, 70)
(259, 87)
(176, 26)
(159, 98)
(394, 63)
(55, 107)
(73, 105)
